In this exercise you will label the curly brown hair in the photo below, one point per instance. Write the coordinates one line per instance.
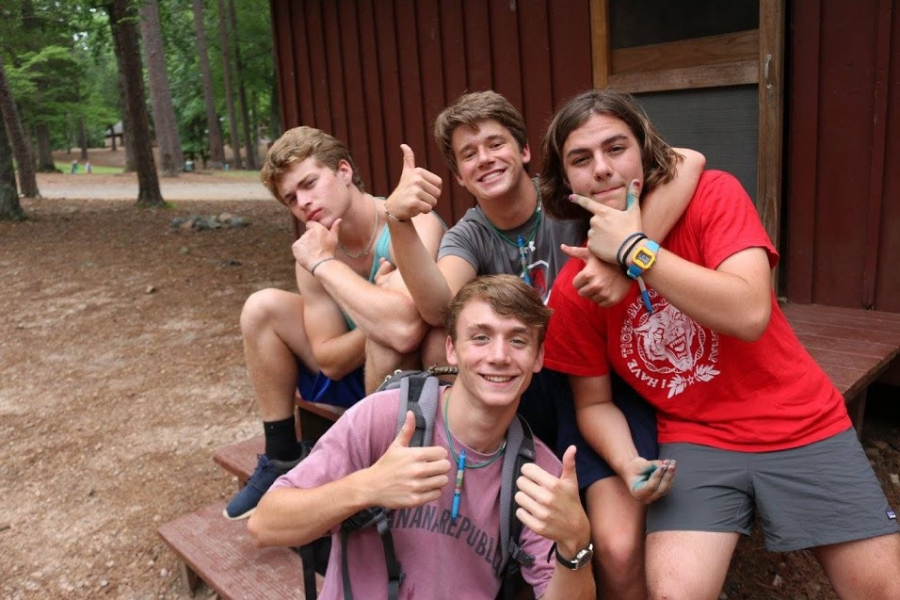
(659, 159)
(298, 144)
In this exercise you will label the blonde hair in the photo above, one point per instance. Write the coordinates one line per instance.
(298, 144)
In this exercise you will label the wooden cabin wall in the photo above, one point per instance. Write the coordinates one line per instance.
(843, 158)
(376, 73)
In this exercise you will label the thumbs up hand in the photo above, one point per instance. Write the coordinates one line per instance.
(405, 477)
(597, 281)
(417, 191)
(551, 507)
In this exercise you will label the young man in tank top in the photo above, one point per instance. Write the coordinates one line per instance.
(314, 341)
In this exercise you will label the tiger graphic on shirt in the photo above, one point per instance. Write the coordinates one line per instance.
(667, 349)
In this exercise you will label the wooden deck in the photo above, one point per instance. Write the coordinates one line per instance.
(854, 347)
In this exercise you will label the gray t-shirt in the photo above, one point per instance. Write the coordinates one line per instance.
(490, 252)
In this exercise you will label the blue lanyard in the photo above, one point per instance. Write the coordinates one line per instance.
(523, 259)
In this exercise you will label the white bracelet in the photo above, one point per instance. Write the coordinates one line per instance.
(384, 207)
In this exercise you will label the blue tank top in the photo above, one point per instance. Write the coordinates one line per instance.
(382, 250)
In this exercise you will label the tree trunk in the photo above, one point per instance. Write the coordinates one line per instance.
(275, 126)
(229, 93)
(126, 41)
(82, 138)
(130, 161)
(112, 137)
(10, 209)
(216, 149)
(171, 156)
(20, 144)
(45, 151)
(252, 158)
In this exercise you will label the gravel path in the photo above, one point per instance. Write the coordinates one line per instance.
(188, 186)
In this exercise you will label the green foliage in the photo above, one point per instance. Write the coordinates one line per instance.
(61, 66)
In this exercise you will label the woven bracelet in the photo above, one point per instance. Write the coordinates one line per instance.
(620, 258)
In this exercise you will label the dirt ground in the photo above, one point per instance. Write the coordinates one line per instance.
(121, 371)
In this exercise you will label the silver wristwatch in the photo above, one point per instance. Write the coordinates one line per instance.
(581, 560)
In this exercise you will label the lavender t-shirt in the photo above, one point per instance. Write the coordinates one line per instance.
(440, 559)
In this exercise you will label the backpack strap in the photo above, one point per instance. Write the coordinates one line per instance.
(308, 556)
(519, 450)
(394, 571)
(419, 392)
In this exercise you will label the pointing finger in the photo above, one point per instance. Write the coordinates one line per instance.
(579, 252)
(585, 203)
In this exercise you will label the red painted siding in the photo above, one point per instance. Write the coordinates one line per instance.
(843, 218)
(376, 74)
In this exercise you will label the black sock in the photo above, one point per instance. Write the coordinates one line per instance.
(281, 440)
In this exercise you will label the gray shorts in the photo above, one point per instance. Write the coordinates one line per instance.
(822, 493)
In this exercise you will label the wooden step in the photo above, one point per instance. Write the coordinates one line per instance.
(239, 458)
(219, 552)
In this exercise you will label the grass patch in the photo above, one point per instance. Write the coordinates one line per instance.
(238, 174)
(96, 169)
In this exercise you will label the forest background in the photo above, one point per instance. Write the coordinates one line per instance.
(194, 79)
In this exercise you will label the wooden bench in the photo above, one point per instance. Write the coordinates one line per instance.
(854, 347)
(220, 553)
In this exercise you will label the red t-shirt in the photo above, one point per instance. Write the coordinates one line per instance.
(708, 388)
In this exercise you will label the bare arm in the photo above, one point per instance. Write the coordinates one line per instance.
(551, 507)
(430, 285)
(605, 428)
(386, 314)
(664, 206)
(403, 477)
(734, 299)
(337, 350)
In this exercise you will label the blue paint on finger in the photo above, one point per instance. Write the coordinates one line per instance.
(631, 196)
(644, 477)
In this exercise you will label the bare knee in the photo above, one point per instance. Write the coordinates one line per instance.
(265, 307)
(620, 553)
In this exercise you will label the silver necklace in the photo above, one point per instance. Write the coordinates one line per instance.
(365, 251)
